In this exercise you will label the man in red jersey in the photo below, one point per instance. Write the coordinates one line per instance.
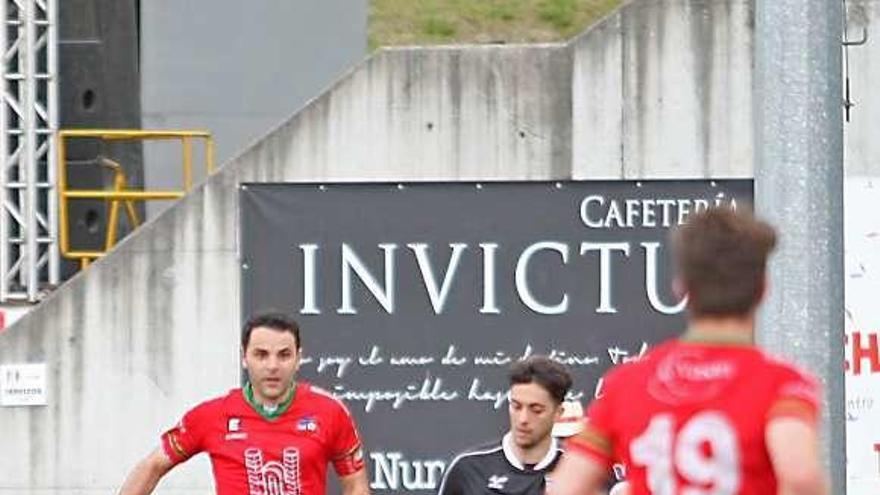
(273, 437)
(707, 413)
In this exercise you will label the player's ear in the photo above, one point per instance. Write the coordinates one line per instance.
(678, 288)
(297, 359)
(243, 361)
(762, 290)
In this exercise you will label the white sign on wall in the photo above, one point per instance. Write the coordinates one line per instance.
(23, 384)
(862, 265)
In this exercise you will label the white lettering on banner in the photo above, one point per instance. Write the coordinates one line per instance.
(597, 212)
(410, 360)
(651, 249)
(605, 249)
(375, 358)
(351, 262)
(522, 284)
(439, 292)
(341, 363)
(489, 304)
(391, 471)
(619, 355)
(573, 359)
(434, 388)
(430, 390)
(496, 397)
(451, 359)
(309, 306)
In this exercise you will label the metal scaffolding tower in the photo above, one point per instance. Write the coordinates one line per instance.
(28, 121)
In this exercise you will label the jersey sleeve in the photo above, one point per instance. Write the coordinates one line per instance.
(453, 480)
(797, 396)
(346, 451)
(595, 439)
(186, 438)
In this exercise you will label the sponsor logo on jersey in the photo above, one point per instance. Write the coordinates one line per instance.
(496, 482)
(233, 428)
(686, 376)
(307, 423)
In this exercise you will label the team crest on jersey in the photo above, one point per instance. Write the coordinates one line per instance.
(280, 477)
(308, 424)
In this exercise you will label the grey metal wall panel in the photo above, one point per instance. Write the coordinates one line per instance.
(238, 69)
(99, 87)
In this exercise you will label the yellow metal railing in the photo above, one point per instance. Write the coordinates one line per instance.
(120, 192)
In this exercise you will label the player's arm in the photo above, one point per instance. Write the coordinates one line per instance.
(146, 474)
(791, 435)
(452, 482)
(793, 445)
(355, 483)
(577, 475)
(620, 488)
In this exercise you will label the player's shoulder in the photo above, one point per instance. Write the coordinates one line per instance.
(222, 401)
(784, 369)
(478, 455)
(321, 399)
(790, 379)
(215, 405)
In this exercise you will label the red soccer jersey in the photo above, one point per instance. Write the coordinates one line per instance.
(693, 415)
(253, 455)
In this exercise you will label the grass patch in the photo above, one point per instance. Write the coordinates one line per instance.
(438, 28)
(421, 22)
(559, 13)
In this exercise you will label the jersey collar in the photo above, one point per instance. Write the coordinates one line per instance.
(697, 336)
(510, 453)
(267, 414)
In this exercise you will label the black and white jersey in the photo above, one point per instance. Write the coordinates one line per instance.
(493, 468)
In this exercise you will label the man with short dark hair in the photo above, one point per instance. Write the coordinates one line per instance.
(273, 437)
(707, 412)
(520, 461)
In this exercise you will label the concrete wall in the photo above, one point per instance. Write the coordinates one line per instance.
(662, 89)
(152, 328)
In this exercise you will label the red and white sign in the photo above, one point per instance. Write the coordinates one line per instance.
(11, 314)
(862, 283)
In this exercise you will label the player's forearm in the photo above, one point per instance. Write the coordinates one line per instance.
(356, 484)
(142, 480)
(815, 485)
(576, 475)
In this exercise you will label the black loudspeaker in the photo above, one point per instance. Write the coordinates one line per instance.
(99, 87)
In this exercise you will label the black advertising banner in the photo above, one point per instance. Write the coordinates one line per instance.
(414, 299)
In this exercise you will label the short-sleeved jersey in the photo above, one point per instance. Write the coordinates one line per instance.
(253, 455)
(693, 414)
(494, 468)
